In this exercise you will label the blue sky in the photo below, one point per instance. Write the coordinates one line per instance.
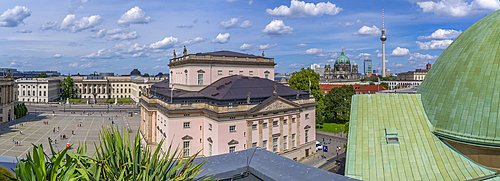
(83, 36)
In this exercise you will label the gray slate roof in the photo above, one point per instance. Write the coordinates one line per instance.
(229, 54)
(264, 165)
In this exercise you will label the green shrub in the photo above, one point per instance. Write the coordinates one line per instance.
(5, 174)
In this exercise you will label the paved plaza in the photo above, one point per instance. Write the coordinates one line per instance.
(35, 131)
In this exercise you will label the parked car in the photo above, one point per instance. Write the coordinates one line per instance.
(318, 146)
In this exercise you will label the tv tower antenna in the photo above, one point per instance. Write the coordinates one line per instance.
(383, 38)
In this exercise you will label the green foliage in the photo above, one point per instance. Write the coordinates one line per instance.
(41, 75)
(145, 75)
(300, 81)
(331, 127)
(116, 158)
(67, 88)
(371, 83)
(20, 110)
(118, 101)
(338, 104)
(54, 75)
(5, 174)
(385, 84)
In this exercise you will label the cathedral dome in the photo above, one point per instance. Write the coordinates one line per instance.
(461, 93)
(342, 58)
(327, 64)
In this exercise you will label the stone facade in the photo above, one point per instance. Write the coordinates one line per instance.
(37, 90)
(8, 96)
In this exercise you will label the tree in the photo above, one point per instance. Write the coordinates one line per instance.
(385, 84)
(67, 85)
(338, 104)
(307, 79)
(145, 75)
(41, 75)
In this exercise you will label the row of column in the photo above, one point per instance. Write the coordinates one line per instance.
(7, 92)
(270, 127)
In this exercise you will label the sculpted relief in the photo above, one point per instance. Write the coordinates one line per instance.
(276, 105)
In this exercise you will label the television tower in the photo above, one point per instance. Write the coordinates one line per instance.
(383, 38)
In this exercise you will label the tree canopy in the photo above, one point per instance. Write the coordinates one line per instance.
(338, 104)
(67, 88)
(146, 75)
(300, 81)
(41, 75)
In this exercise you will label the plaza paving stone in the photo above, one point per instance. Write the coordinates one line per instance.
(35, 132)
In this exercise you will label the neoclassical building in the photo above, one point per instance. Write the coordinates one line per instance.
(7, 97)
(38, 89)
(341, 70)
(228, 113)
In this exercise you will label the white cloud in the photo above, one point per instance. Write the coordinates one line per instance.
(166, 43)
(393, 65)
(368, 31)
(422, 57)
(362, 22)
(246, 47)
(114, 31)
(245, 24)
(73, 64)
(328, 55)
(71, 24)
(103, 53)
(23, 31)
(57, 55)
(250, 2)
(434, 44)
(299, 9)
(49, 25)
(267, 46)
(312, 51)
(233, 23)
(399, 52)
(19, 63)
(136, 48)
(302, 45)
(442, 34)
(193, 41)
(361, 56)
(134, 16)
(459, 8)
(229, 23)
(140, 54)
(346, 24)
(296, 65)
(379, 54)
(123, 36)
(222, 38)
(15, 16)
(277, 28)
(100, 34)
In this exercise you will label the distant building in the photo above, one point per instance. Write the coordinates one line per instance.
(6, 70)
(394, 84)
(360, 89)
(318, 69)
(39, 90)
(31, 74)
(224, 102)
(341, 70)
(366, 63)
(282, 80)
(7, 97)
(135, 72)
(418, 74)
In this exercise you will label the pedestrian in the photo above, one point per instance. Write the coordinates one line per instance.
(330, 141)
(55, 141)
(13, 141)
(73, 132)
(19, 144)
(20, 132)
(58, 128)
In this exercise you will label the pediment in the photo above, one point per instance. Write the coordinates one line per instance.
(233, 142)
(187, 137)
(275, 104)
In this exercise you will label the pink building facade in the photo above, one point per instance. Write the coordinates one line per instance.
(229, 114)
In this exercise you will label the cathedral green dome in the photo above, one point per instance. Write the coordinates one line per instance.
(327, 64)
(342, 58)
(461, 92)
(354, 64)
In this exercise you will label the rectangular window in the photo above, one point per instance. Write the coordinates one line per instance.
(186, 79)
(306, 135)
(232, 149)
(254, 127)
(307, 116)
(284, 142)
(186, 147)
(264, 125)
(209, 149)
(230, 72)
(209, 126)
(293, 120)
(275, 123)
(241, 72)
(254, 145)
(267, 76)
(219, 72)
(232, 128)
(275, 144)
(264, 144)
(284, 122)
(293, 140)
(250, 72)
(200, 79)
(187, 124)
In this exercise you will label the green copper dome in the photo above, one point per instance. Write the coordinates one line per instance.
(461, 92)
(354, 64)
(342, 58)
(327, 64)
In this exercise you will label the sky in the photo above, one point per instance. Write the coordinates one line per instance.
(83, 36)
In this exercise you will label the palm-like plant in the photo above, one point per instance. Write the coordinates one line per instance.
(115, 159)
